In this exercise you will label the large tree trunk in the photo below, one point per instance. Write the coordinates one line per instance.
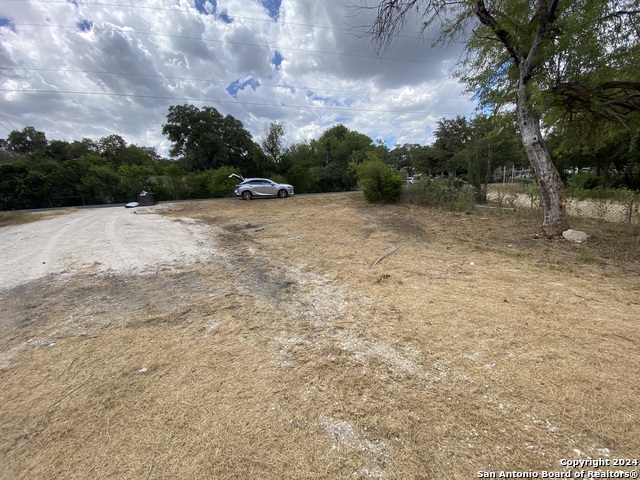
(549, 182)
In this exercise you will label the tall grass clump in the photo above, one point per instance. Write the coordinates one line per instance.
(446, 193)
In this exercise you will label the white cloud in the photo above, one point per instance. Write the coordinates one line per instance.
(132, 62)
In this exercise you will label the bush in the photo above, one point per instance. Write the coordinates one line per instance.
(452, 194)
(379, 182)
(221, 185)
(583, 181)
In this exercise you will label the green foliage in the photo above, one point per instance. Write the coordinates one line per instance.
(298, 176)
(611, 150)
(29, 141)
(451, 194)
(583, 181)
(221, 185)
(203, 139)
(178, 184)
(134, 179)
(621, 194)
(450, 148)
(39, 173)
(494, 142)
(322, 165)
(100, 184)
(587, 44)
(273, 142)
(112, 148)
(379, 182)
(172, 183)
(333, 151)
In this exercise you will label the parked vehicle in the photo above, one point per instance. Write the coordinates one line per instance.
(262, 187)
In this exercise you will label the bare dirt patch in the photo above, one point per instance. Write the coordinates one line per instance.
(261, 341)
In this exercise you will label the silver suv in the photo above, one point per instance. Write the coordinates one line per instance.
(262, 187)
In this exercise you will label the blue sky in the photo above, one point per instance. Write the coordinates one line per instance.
(74, 69)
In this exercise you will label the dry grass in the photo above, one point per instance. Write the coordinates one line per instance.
(475, 346)
(20, 217)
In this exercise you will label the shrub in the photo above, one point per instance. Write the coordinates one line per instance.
(379, 182)
(221, 185)
(583, 181)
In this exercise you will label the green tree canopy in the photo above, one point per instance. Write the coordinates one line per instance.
(28, 141)
(452, 138)
(273, 142)
(205, 139)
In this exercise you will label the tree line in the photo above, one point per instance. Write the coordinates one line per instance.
(207, 147)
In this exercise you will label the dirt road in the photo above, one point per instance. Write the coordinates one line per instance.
(313, 337)
(103, 240)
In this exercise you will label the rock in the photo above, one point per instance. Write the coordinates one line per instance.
(575, 236)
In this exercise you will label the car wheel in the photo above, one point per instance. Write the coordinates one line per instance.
(283, 193)
(247, 195)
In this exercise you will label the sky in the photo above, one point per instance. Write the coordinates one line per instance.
(75, 69)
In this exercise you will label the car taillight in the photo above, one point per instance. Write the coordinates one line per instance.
(237, 186)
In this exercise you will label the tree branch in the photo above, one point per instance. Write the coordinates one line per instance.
(391, 17)
(615, 100)
(546, 16)
(621, 13)
(505, 38)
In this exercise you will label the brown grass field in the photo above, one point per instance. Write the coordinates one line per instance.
(331, 339)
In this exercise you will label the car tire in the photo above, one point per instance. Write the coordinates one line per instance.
(246, 195)
(283, 193)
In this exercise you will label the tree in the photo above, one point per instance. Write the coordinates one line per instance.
(204, 139)
(112, 147)
(424, 160)
(57, 150)
(273, 141)
(452, 138)
(29, 141)
(335, 148)
(493, 143)
(82, 149)
(296, 160)
(511, 48)
(402, 157)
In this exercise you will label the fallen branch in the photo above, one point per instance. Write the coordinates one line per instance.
(385, 256)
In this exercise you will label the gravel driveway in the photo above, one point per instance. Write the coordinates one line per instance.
(109, 240)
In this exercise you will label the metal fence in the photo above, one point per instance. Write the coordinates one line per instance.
(624, 207)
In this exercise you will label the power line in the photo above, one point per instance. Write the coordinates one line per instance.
(222, 82)
(362, 29)
(5, 119)
(229, 42)
(235, 102)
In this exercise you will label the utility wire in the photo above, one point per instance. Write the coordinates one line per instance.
(362, 30)
(235, 102)
(229, 42)
(5, 119)
(222, 82)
